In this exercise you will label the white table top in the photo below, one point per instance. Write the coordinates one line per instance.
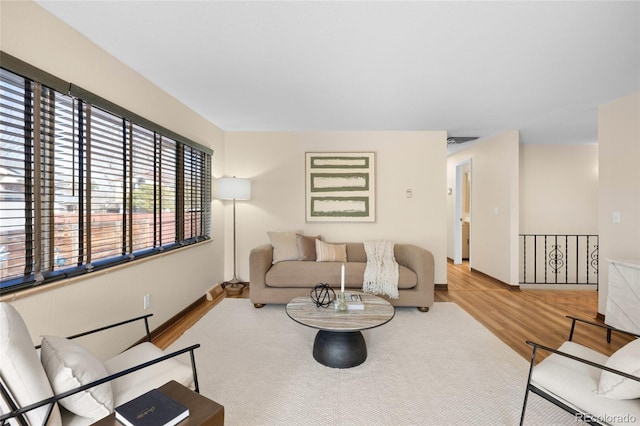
(376, 312)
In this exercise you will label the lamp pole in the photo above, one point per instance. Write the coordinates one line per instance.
(235, 279)
(233, 189)
(234, 286)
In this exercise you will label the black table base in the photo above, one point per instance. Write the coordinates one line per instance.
(339, 349)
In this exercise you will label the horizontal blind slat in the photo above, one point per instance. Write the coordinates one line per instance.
(152, 160)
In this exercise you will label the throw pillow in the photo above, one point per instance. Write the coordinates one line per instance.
(69, 365)
(285, 246)
(307, 247)
(625, 359)
(330, 252)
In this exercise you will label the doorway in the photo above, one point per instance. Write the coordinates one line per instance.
(462, 214)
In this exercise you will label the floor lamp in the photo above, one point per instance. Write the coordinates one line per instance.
(234, 188)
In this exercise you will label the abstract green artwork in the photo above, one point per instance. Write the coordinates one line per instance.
(340, 186)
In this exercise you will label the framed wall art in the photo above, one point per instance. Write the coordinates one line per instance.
(340, 187)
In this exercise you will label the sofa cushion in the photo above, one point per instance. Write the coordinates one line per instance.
(21, 369)
(296, 274)
(68, 366)
(307, 247)
(285, 246)
(330, 252)
(627, 360)
(356, 252)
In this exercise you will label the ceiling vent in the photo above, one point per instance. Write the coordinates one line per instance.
(455, 140)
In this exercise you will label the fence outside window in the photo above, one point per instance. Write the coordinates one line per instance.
(85, 184)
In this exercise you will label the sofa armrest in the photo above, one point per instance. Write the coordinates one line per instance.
(420, 261)
(260, 261)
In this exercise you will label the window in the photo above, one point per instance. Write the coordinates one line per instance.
(85, 185)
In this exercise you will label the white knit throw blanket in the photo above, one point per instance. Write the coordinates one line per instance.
(381, 272)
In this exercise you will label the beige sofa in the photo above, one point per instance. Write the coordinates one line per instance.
(284, 280)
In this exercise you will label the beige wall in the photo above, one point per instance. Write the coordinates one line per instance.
(558, 189)
(494, 204)
(275, 161)
(175, 280)
(619, 184)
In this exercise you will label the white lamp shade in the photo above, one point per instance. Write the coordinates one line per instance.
(234, 189)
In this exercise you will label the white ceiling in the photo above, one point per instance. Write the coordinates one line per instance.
(472, 68)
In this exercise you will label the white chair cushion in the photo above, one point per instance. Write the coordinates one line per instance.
(625, 359)
(20, 367)
(576, 384)
(72, 419)
(135, 384)
(69, 365)
(5, 403)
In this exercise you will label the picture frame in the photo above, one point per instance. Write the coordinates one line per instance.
(340, 186)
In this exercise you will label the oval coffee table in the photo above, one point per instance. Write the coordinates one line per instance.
(339, 342)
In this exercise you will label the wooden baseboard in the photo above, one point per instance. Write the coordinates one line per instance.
(497, 281)
(442, 287)
(216, 294)
(162, 328)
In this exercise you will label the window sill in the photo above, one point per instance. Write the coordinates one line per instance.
(22, 294)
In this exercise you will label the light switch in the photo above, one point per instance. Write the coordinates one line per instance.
(616, 217)
(409, 193)
(496, 211)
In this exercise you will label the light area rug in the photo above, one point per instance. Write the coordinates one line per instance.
(436, 368)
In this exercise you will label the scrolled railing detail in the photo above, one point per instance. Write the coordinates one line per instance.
(595, 258)
(558, 259)
(556, 256)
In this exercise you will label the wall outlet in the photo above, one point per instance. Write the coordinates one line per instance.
(147, 301)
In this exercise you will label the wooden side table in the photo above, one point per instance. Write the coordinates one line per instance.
(202, 410)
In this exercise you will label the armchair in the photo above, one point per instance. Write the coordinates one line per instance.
(595, 388)
(65, 385)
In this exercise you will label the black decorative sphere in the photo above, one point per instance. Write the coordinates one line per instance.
(322, 295)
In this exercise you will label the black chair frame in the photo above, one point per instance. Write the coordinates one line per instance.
(18, 412)
(586, 417)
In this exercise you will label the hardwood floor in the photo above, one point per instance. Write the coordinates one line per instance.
(515, 316)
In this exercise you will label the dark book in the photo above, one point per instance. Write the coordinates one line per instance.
(151, 409)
